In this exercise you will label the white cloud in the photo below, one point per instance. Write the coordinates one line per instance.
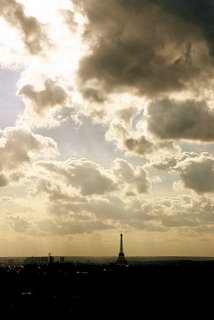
(182, 211)
(154, 214)
(44, 104)
(170, 162)
(197, 173)
(17, 147)
(87, 178)
(136, 142)
(29, 26)
(47, 48)
(51, 95)
(83, 175)
(134, 179)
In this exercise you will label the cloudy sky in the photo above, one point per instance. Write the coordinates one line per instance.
(106, 125)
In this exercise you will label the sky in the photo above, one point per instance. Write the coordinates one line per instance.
(107, 126)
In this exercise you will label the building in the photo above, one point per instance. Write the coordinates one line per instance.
(121, 260)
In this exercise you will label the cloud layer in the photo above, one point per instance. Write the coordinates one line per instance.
(87, 178)
(169, 119)
(51, 96)
(197, 173)
(17, 147)
(33, 35)
(130, 51)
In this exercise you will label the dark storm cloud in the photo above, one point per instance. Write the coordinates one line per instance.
(197, 12)
(144, 46)
(30, 27)
(169, 119)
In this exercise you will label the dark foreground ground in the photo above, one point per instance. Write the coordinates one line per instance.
(173, 290)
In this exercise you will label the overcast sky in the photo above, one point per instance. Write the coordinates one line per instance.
(106, 125)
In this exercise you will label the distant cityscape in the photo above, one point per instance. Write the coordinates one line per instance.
(119, 260)
(99, 287)
(73, 287)
(132, 260)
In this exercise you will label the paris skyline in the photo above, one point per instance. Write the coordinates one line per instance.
(106, 126)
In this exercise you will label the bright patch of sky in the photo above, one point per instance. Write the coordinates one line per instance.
(10, 104)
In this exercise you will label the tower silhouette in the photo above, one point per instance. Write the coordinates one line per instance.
(50, 259)
(121, 260)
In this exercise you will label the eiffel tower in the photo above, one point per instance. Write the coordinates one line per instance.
(121, 260)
